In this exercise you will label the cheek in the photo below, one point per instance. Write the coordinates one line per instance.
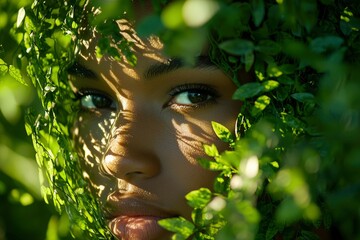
(191, 136)
(89, 138)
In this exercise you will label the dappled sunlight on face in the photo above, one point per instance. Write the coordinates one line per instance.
(91, 144)
(142, 128)
(190, 137)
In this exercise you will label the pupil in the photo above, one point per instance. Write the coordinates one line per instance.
(196, 97)
(101, 102)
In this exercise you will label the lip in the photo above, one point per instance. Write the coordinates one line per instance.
(135, 217)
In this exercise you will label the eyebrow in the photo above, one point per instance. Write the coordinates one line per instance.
(79, 70)
(156, 69)
(201, 62)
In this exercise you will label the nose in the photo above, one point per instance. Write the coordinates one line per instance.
(130, 154)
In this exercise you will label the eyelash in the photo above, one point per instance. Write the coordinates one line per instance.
(212, 95)
(204, 90)
(82, 94)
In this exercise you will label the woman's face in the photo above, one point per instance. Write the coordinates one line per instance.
(142, 128)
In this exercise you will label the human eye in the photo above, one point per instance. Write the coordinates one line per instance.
(95, 100)
(191, 96)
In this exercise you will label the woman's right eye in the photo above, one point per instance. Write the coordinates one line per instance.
(95, 101)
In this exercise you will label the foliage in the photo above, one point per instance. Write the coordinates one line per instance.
(44, 33)
(23, 213)
(292, 166)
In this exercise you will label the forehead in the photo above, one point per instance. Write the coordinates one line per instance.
(121, 41)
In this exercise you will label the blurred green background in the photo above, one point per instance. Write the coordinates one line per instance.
(23, 213)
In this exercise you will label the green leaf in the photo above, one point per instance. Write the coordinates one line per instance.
(3, 67)
(303, 97)
(222, 183)
(292, 121)
(230, 158)
(271, 230)
(258, 11)
(150, 25)
(284, 79)
(211, 150)
(15, 73)
(270, 85)
(222, 132)
(178, 225)
(260, 104)
(307, 235)
(20, 17)
(178, 236)
(248, 60)
(322, 44)
(248, 90)
(28, 129)
(199, 198)
(210, 165)
(237, 46)
(268, 47)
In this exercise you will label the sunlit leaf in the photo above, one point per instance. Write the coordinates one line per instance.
(179, 225)
(20, 17)
(270, 85)
(15, 73)
(209, 164)
(260, 104)
(199, 198)
(211, 150)
(222, 132)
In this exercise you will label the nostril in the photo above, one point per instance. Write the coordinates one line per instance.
(136, 174)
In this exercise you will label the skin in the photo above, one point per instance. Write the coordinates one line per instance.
(140, 132)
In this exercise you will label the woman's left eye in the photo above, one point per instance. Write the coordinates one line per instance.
(192, 95)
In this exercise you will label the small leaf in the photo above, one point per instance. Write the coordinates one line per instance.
(222, 184)
(210, 165)
(15, 73)
(199, 198)
(211, 150)
(268, 47)
(260, 104)
(248, 60)
(248, 90)
(322, 44)
(28, 128)
(258, 11)
(178, 225)
(303, 97)
(231, 158)
(237, 46)
(271, 230)
(292, 121)
(284, 79)
(149, 26)
(270, 85)
(20, 17)
(3, 67)
(222, 132)
(307, 235)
